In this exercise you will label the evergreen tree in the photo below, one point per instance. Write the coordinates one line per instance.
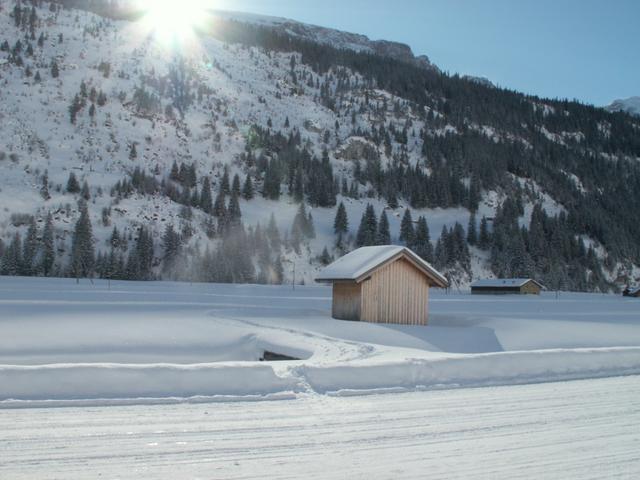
(298, 186)
(248, 191)
(85, 193)
(459, 250)
(30, 250)
(140, 260)
(117, 266)
(296, 237)
(272, 181)
(72, 184)
(235, 185)
(17, 15)
(303, 223)
(82, 249)
(407, 231)
(48, 249)
(235, 260)
(206, 201)
(278, 271)
(194, 200)
(392, 199)
(368, 229)
(12, 258)
(440, 254)
(224, 183)
(422, 241)
(44, 189)
(190, 176)
(175, 172)
(484, 238)
(325, 257)
(310, 228)
(273, 234)
(234, 212)
(115, 241)
(474, 194)
(341, 221)
(384, 236)
(264, 260)
(74, 108)
(301, 228)
(472, 235)
(219, 207)
(171, 243)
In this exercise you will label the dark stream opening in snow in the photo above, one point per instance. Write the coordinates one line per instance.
(268, 356)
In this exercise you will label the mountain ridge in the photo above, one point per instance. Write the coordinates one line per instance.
(336, 38)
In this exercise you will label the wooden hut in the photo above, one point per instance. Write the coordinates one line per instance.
(384, 284)
(631, 292)
(504, 286)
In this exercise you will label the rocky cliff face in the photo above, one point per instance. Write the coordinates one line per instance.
(335, 38)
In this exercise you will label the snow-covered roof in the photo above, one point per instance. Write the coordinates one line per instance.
(504, 282)
(359, 263)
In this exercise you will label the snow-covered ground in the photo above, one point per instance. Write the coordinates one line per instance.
(63, 343)
(570, 430)
(161, 380)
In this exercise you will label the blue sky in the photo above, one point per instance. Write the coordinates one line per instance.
(584, 49)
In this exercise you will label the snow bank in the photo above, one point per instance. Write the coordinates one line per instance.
(117, 381)
(475, 370)
(152, 383)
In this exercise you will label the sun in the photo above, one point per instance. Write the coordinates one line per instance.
(174, 21)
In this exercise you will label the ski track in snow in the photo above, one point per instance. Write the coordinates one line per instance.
(574, 430)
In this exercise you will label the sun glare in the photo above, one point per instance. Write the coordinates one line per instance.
(174, 21)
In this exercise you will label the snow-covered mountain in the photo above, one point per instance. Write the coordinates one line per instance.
(630, 105)
(300, 113)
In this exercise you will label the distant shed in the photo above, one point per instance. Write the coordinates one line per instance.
(384, 284)
(631, 292)
(503, 286)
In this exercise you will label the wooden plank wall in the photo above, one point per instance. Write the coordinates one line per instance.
(396, 293)
(346, 301)
(530, 288)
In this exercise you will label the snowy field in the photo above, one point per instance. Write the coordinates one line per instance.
(63, 343)
(161, 380)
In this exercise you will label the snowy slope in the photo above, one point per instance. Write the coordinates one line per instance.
(247, 87)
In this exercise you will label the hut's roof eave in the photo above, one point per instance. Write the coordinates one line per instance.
(357, 265)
